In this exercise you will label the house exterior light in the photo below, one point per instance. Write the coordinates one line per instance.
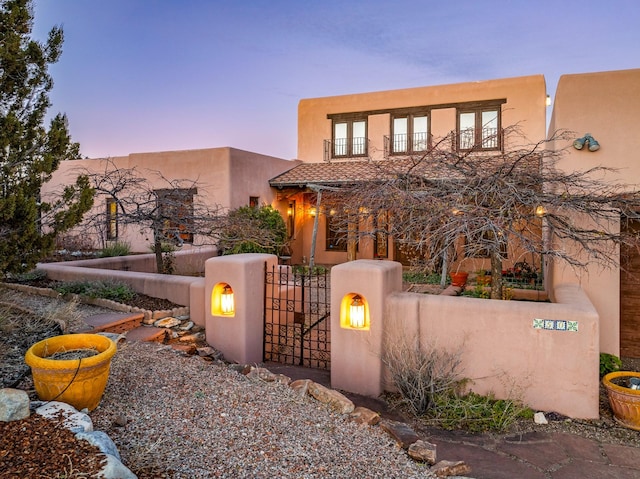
(540, 211)
(313, 211)
(227, 304)
(356, 313)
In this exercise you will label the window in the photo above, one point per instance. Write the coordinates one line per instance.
(409, 133)
(349, 138)
(176, 211)
(112, 219)
(254, 201)
(479, 129)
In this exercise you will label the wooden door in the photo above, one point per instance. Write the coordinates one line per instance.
(630, 297)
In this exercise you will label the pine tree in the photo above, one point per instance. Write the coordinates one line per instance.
(29, 152)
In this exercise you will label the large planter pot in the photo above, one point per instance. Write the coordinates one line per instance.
(79, 382)
(624, 401)
(459, 279)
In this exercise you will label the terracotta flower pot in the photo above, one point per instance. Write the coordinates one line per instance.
(79, 382)
(459, 279)
(624, 401)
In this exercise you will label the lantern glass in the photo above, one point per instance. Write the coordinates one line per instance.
(356, 313)
(226, 301)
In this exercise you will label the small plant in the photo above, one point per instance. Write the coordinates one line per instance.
(421, 277)
(304, 269)
(113, 290)
(420, 372)
(478, 292)
(116, 249)
(477, 413)
(30, 276)
(609, 363)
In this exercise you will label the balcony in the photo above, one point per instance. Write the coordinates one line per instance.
(479, 139)
(404, 144)
(346, 148)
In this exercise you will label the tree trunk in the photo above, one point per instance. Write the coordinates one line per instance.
(496, 276)
(157, 249)
(351, 240)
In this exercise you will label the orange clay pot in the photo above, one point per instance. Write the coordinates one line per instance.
(79, 382)
(624, 401)
(459, 279)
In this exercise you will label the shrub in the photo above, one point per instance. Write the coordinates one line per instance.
(609, 363)
(113, 290)
(421, 277)
(253, 230)
(116, 249)
(420, 373)
(477, 413)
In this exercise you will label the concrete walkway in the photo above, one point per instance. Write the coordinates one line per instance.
(532, 455)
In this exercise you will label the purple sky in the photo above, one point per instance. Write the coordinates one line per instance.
(139, 76)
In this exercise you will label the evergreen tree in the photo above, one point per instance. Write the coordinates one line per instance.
(29, 152)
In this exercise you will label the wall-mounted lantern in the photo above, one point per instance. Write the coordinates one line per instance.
(222, 300)
(354, 312)
(587, 139)
(313, 211)
(540, 211)
(290, 210)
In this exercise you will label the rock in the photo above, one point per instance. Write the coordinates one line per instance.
(115, 337)
(423, 451)
(73, 419)
(120, 421)
(539, 418)
(188, 349)
(167, 322)
(301, 386)
(241, 368)
(451, 468)
(262, 374)
(114, 469)
(14, 405)
(401, 432)
(192, 337)
(101, 441)
(332, 398)
(363, 415)
(209, 352)
(186, 326)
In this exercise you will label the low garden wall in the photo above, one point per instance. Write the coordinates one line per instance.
(546, 354)
(135, 270)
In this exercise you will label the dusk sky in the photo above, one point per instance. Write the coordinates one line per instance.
(143, 76)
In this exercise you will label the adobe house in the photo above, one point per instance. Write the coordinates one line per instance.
(340, 138)
(606, 105)
(224, 177)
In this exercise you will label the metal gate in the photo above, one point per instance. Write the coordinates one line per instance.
(297, 317)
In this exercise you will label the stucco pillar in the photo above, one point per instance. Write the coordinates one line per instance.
(356, 364)
(239, 336)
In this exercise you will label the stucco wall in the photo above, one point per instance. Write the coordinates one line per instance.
(224, 177)
(605, 104)
(525, 106)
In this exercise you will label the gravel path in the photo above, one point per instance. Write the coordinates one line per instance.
(182, 417)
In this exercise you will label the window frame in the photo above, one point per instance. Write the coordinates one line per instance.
(111, 219)
(410, 140)
(350, 144)
(172, 219)
(478, 133)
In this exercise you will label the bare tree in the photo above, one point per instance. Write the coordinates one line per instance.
(171, 209)
(498, 202)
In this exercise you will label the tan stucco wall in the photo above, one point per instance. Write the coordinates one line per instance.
(525, 106)
(226, 177)
(605, 104)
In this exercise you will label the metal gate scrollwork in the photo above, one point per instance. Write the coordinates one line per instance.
(297, 317)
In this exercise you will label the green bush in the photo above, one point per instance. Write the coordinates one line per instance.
(476, 413)
(609, 363)
(113, 290)
(116, 249)
(304, 269)
(250, 229)
(421, 277)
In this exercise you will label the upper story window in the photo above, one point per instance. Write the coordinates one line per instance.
(479, 128)
(409, 134)
(349, 138)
